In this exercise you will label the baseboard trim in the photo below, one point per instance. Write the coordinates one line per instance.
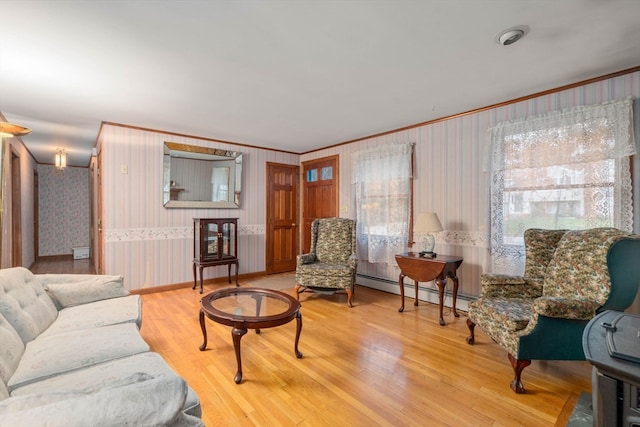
(174, 286)
(424, 293)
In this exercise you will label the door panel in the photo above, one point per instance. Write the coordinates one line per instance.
(16, 210)
(320, 194)
(282, 217)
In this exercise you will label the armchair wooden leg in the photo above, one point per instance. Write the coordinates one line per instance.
(518, 366)
(297, 291)
(349, 297)
(471, 339)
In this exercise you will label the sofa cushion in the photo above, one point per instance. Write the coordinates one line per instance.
(505, 314)
(100, 313)
(540, 245)
(67, 290)
(579, 265)
(11, 350)
(60, 353)
(24, 303)
(334, 242)
(141, 402)
(108, 374)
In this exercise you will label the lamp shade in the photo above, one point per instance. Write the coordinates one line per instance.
(427, 223)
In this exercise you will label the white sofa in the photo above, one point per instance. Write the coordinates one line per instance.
(71, 355)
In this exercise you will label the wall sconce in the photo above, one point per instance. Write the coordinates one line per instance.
(8, 130)
(60, 159)
(427, 223)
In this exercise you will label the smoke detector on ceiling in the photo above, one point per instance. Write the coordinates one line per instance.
(512, 35)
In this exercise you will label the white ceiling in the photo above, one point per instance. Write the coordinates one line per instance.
(289, 75)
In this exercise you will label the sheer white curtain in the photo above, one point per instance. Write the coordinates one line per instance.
(381, 179)
(567, 169)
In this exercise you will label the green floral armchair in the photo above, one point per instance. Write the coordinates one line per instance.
(332, 262)
(569, 277)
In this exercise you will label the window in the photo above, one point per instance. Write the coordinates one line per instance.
(381, 179)
(567, 169)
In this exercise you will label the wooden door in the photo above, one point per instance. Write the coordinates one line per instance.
(282, 232)
(320, 194)
(36, 217)
(16, 211)
(99, 247)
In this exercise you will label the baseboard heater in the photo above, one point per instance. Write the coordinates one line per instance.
(81, 252)
(425, 293)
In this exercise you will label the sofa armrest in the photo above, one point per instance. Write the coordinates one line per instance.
(507, 286)
(303, 259)
(565, 308)
(68, 290)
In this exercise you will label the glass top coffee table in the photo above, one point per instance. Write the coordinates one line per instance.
(249, 308)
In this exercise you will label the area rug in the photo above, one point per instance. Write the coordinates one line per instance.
(582, 415)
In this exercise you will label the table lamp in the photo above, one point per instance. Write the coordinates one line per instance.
(427, 223)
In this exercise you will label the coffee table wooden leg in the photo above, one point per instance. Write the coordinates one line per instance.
(298, 330)
(415, 282)
(204, 331)
(237, 336)
(258, 299)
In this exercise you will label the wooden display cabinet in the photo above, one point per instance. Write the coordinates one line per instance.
(215, 242)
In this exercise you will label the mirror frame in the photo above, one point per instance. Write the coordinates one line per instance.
(176, 150)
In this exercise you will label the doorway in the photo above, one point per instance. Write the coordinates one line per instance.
(282, 234)
(36, 217)
(320, 194)
(16, 211)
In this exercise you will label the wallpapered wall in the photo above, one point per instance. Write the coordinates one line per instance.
(449, 177)
(64, 217)
(152, 246)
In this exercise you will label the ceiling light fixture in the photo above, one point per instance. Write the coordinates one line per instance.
(512, 35)
(60, 159)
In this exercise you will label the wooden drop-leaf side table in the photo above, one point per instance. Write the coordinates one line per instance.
(427, 269)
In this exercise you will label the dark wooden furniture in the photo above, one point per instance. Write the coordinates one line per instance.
(426, 269)
(215, 242)
(611, 342)
(249, 308)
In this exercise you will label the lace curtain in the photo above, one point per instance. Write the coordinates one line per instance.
(381, 180)
(567, 169)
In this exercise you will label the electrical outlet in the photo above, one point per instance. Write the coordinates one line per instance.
(124, 169)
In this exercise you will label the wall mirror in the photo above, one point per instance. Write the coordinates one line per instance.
(201, 177)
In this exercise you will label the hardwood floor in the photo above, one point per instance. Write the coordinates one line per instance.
(63, 264)
(365, 366)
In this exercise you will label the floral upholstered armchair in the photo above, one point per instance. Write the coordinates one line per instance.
(569, 277)
(332, 262)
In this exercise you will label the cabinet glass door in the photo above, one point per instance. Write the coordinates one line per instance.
(228, 241)
(211, 240)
